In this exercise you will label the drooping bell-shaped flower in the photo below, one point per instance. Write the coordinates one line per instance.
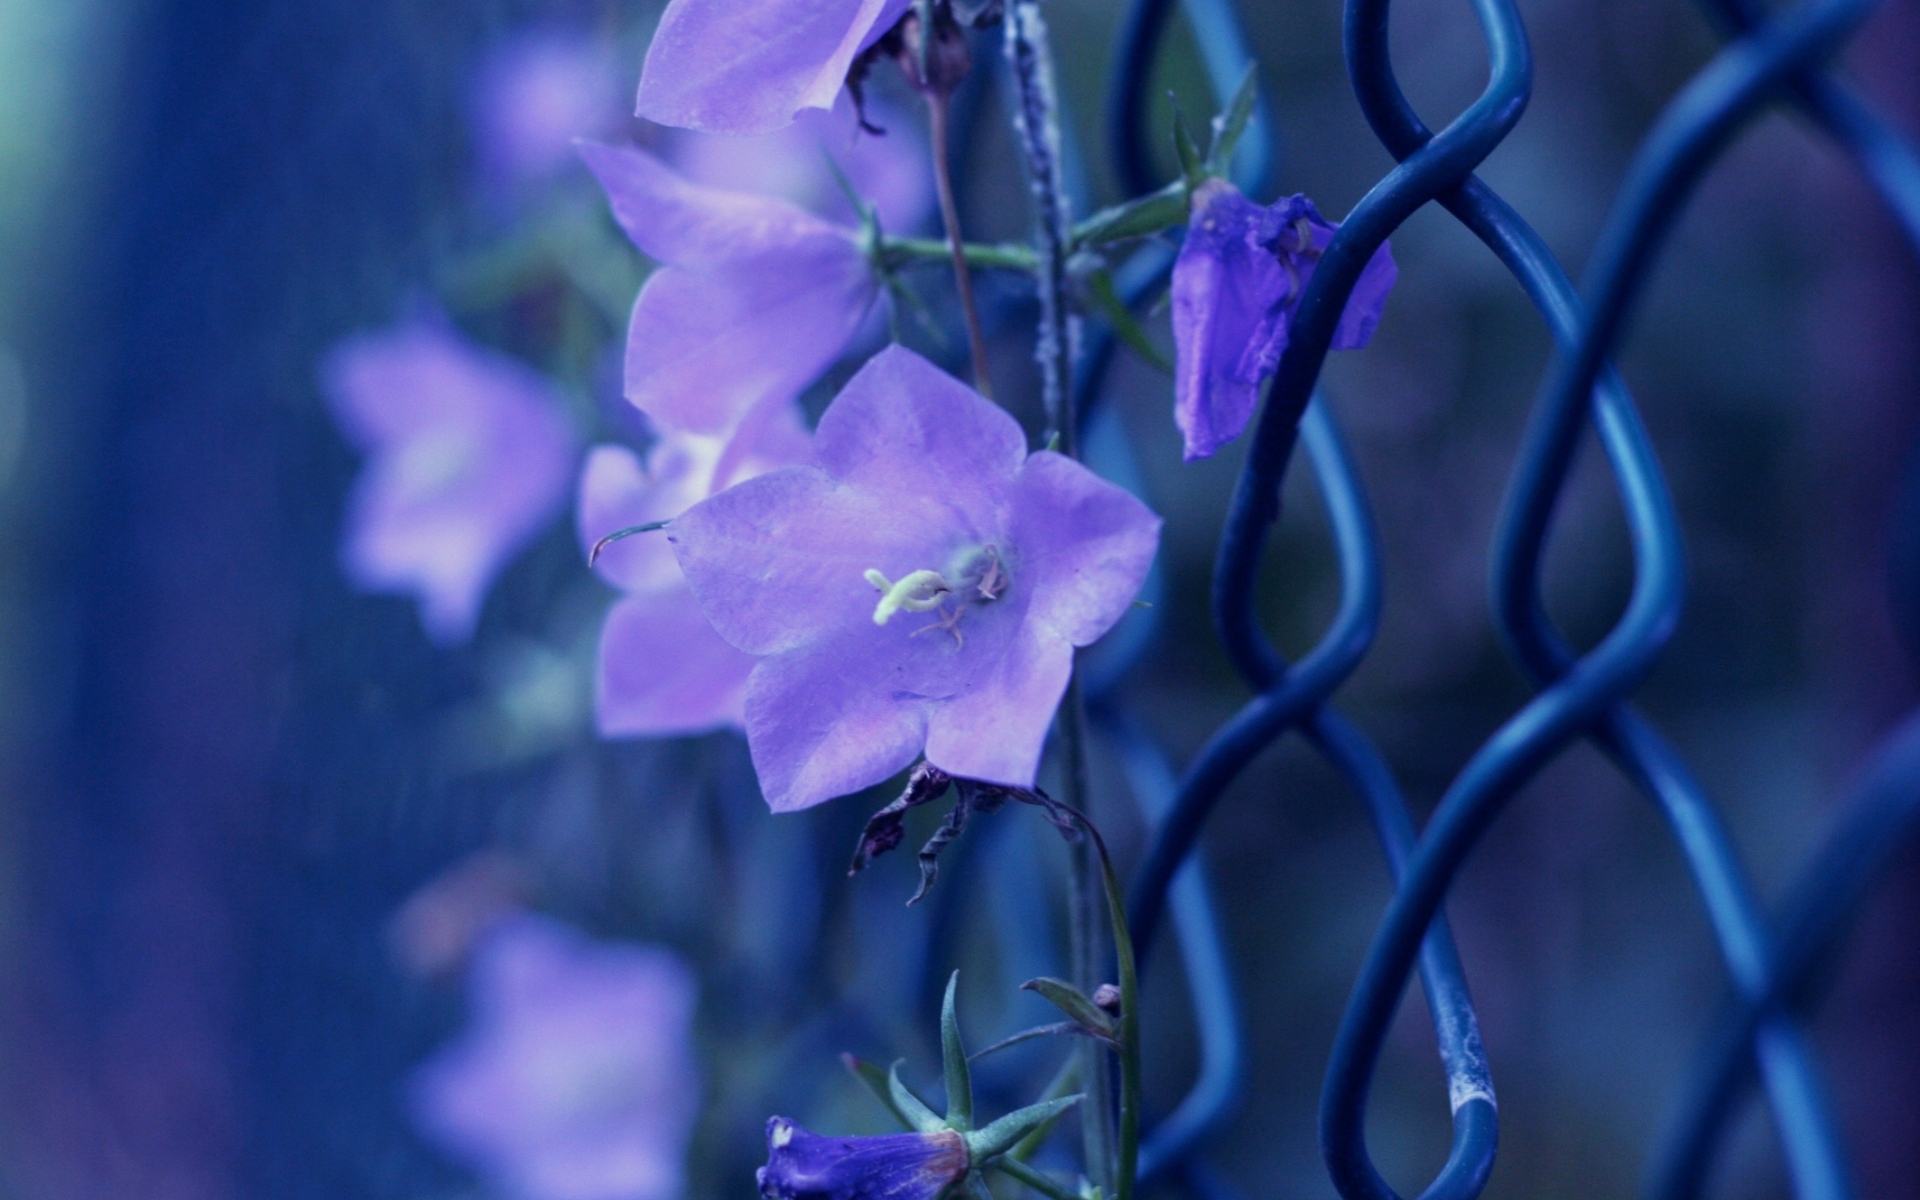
(662, 669)
(1236, 285)
(469, 454)
(576, 1078)
(890, 1166)
(919, 586)
(753, 299)
(747, 66)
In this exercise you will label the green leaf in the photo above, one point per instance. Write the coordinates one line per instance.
(911, 1106)
(1192, 167)
(1101, 291)
(1074, 1002)
(1034, 1179)
(1057, 1029)
(1141, 217)
(874, 1076)
(954, 1055)
(1003, 1134)
(1231, 123)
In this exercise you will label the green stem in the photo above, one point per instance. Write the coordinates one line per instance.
(937, 105)
(1013, 1168)
(898, 251)
(1143, 217)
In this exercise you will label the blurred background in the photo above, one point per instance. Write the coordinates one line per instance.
(255, 820)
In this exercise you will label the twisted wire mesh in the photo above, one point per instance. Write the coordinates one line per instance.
(1775, 978)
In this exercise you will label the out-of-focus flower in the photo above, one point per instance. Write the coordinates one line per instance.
(576, 1079)
(754, 297)
(889, 170)
(469, 453)
(893, 1166)
(538, 92)
(1236, 285)
(438, 925)
(662, 668)
(920, 585)
(747, 66)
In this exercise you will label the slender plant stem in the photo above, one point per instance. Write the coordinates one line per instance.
(899, 251)
(938, 105)
(1015, 1169)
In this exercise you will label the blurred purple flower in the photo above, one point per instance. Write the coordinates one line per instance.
(1235, 287)
(662, 668)
(468, 456)
(920, 585)
(538, 92)
(576, 1078)
(747, 66)
(753, 299)
(893, 1166)
(890, 171)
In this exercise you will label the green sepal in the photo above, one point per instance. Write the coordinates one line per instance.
(1141, 217)
(1004, 1134)
(953, 1054)
(1107, 300)
(1073, 1002)
(876, 1079)
(1231, 123)
(918, 1115)
(1193, 168)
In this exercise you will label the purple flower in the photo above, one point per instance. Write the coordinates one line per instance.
(535, 94)
(893, 1166)
(1235, 287)
(753, 299)
(747, 66)
(920, 585)
(576, 1079)
(662, 669)
(468, 456)
(889, 171)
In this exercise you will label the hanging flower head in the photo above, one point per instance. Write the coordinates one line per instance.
(1236, 285)
(891, 1166)
(468, 457)
(753, 299)
(662, 668)
(748, 66)
(920, 586)
(576, 1080)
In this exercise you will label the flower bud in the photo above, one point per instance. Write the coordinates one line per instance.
(894, 1166)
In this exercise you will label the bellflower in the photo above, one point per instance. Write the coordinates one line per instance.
(576, 1080)
(888, 171)
(468, 456)
(1236, 285)
(892, 1166)
(920, 585)
(753, 299)
(662, 668)
(747, 66)
(535, 94)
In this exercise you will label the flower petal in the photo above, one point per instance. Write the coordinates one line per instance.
(674, 221)
(617, 492)
(664, 671)
(1086, 546)
(747, 66)
(1369, 297)
(996, 729)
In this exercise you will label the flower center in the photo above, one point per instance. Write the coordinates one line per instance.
(976, 575)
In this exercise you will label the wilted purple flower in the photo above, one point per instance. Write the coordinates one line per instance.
(753, 299)
(468, 456)
(889, 171)
(538, 92)
(576, 1079)
(1235, 287)
(892, 1166)
(747, 66)
(920, 585)
(662, 668)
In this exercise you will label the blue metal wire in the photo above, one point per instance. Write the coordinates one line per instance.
(1581, 695)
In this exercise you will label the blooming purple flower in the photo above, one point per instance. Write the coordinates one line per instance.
(921, 585)
(753, 299)
(892, 1166)
(535, 94)
(576, 1079)
(747, 66)
(662, 668)
(468, 456)
(889, 171)
(1236, 284)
